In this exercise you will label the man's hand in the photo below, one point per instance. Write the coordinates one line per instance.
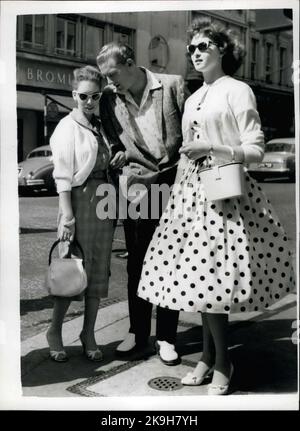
(119, 160)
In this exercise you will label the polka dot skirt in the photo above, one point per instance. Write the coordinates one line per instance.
(220, 257)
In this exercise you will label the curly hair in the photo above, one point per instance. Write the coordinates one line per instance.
(226, 40)
(121, 52)
(86, 73)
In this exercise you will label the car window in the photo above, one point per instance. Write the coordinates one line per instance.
(41, 153)
(280, 147)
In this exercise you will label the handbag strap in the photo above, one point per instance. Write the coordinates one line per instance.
(57, 242)
(210, 154)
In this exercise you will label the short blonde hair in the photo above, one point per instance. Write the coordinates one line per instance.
(121, 52)
(86, 73)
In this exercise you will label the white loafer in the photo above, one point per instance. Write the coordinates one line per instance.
(167, 353)
(127, 344)
(129, 347)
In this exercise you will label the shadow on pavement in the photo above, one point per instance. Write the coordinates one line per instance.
(263, 354)
(28, 305)
(78, 366)
(36, 230)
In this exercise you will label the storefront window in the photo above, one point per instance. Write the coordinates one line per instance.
(94, 41)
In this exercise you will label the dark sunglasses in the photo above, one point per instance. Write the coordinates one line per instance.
(202, 47)
(83, 96)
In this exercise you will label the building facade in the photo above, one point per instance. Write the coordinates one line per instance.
(49, 47)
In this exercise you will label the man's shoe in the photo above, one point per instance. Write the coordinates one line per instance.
(129, 347)
(127, 344)
(167, 353)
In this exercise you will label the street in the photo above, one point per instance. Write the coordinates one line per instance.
(38, 232)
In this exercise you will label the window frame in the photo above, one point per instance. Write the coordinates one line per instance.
(21, 32)
(95, 24)
(269, 61)
(64, 51)
(282, 65)
(253, 60)
(81, 22)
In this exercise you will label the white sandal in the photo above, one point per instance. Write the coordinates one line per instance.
(192, 380)
(58, 356)
(221, 389)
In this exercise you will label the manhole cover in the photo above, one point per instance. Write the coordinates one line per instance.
(165, 383)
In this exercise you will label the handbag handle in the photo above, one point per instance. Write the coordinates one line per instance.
(57, 242)
(209, 163)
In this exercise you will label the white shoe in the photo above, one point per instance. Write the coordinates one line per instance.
(193, 379)
(127, 344)
(214, 389)
(167, 353)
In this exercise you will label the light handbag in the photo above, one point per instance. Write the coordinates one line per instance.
(66, 276)
(223, 181)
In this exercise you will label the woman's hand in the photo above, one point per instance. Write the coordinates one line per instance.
(195, 149)
(119, 160)
(66, 230)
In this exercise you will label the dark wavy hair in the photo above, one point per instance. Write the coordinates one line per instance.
(86, 73)
(226, 40)
(121, 52)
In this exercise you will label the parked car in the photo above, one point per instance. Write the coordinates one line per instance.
(35, 172)
(278, 161)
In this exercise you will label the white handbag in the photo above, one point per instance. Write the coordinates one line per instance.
(223, 181)
(66, 276)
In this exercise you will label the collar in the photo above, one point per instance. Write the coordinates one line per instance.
(152, 83)
(80, 118)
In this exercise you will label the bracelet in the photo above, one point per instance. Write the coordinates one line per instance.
(70, 223)
(232, 153)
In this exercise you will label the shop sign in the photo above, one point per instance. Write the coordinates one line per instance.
(44, 75)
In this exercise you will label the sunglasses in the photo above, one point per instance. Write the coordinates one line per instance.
(202, 47)
(83, 96)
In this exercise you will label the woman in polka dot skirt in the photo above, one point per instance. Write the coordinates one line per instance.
(224, 256)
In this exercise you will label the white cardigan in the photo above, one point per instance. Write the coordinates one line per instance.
(228, 115)
(74, 149)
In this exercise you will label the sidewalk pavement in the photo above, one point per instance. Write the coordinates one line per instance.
(262, 349)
